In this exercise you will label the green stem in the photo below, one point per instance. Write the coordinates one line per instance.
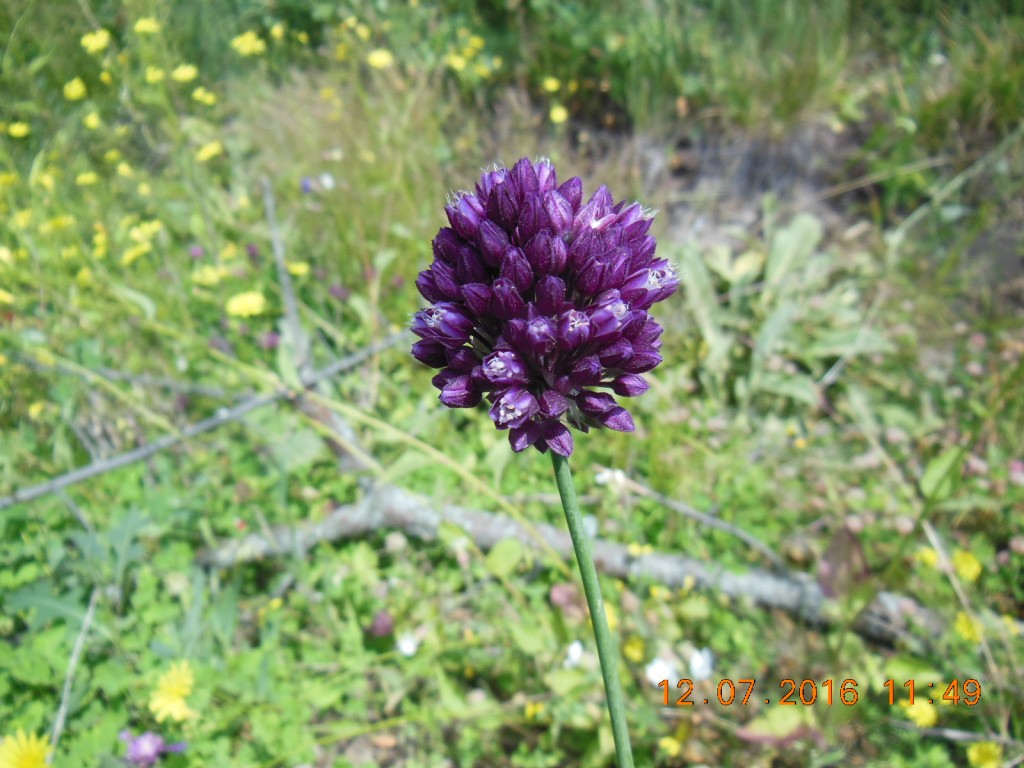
(607, 651)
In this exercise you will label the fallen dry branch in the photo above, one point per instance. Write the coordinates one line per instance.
(889, 617)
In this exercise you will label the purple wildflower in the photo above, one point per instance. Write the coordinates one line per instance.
(537, 298)
(147, 748)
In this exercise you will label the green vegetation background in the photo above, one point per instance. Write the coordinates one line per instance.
(843, 382)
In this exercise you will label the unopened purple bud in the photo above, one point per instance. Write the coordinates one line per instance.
(559, 212)
(465, 216)
(444, 322)
(547, 177)
(383, 624)
(516, 269)
(477, 297)
(459, 392)
(492, 242)
(629, 385)
(540, 335)
(270, 340)
(506, 302)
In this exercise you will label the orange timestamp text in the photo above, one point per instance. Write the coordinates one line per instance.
(809, 692)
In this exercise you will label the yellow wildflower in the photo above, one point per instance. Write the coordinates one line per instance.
(86, 179)
(362, 32)
(124, 169)
(204, 96)
(476, 43)
(209, 151)
(35, 410)
(112, 155)
(660, 593)
(18, 130)
(168, 700)
(155, 75)
(133, 254)
(927, 556)
(1011, 623)
(969, 629)
(455, 62)
(145, 231)
(6, 257)
(341, 52)
(921, 713)
(84, 276)
(967, 566)
(247, 304)
(297, 268)
(24, 750)
(6, 297)
(22, 218)
(44, 180)
(277, 31)
(533, 710)
(209, 275)
(249, 44)
(380, 58)
(670, 746)
(302, 37)
(8, 179)
(95, 42)
(985, 754)
(100, 241)
(558, 114)
(639, 550)
(74, 90)
(92, 121)
(184, 73)
(3, 360)
(144, 189)
(633, 649)
(147, 26)
(106, 78)
(551, 84)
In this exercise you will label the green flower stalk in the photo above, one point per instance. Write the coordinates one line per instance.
(539, 303)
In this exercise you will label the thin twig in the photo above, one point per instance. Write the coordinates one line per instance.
(69, 678)
(222, 417)
(701, 517)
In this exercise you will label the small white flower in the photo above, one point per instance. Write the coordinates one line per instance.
(702, 662)
(614, 478)
(327, 181)
(573, 655)
(659, 670)
(407, 644)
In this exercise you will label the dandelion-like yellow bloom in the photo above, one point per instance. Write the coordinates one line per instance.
(633, 649)
(134, 253)
(106, 78)
(87, 179)
(155, 75)
(209, 275)
(95, 42)
(8, 179)
(74, 90)
(966, 565)
(551, 84)
(147, 26)
(204, 96)
(209, 151)
(144, 189)
(558, 114)
(247, 304)
(455, 62)
(362, 32)
(670, 746)
(35, 410)
(297, 268)
(6, 297)
(24, 750)
(985, 754)
(112, 155)
(18, 130)
(92, 121)
(277, 31)
(125, 170)
(184, 73)
(380, 58)
(927, 556)
(533, 710)
(969, 629)
(921, 713)
(168, 700)
(249, 44)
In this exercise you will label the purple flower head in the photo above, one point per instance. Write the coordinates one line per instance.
(539, 303)
(147, 748)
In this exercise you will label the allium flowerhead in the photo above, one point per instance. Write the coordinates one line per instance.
(539, 303)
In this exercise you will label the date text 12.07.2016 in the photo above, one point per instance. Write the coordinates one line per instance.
(807, 692)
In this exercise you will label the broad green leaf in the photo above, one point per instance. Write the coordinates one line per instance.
(563, 682)
(135, 298)
(937, 480)
(792, 248)
(504, 557)
(527, 637)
